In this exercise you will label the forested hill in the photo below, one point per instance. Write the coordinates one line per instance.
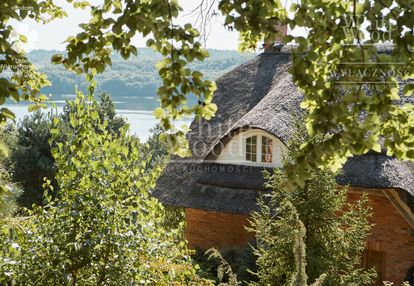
(137, 76)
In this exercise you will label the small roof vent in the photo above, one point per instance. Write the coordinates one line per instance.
(275, 47)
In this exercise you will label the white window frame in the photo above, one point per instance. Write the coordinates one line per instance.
(257, 147)
(272, 144)
(235, 151)
(259, 152)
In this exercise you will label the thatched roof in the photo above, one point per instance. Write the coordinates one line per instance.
(378, 171)
(258, 94)
(216, 187)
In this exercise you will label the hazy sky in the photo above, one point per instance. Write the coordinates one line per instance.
(51, 36)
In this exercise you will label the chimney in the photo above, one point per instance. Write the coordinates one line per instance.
(276, 45)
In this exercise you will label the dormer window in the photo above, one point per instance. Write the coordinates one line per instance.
(251, 149)
(267, 149)
(265, 152)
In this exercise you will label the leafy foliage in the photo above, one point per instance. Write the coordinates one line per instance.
(9, 191)
(31, 160)
(104, 229)
(234, 265)
(224, 269)
(24, 81)
(155, 147)
(106, 113)
(112, 27)
(10, 196)
(4, 151)
(9, 248)
(353, 118)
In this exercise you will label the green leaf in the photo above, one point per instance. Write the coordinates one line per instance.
(57, 59)
(159, 113)
(7, 113)
(408, 89)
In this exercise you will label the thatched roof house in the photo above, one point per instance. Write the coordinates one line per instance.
(218, 186)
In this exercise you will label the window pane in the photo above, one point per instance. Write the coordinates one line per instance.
(251, 148)
(267, 150)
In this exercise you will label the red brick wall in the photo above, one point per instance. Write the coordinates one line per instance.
(206, 229)
(391, 233)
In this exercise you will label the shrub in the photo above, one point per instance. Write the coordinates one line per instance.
(31, 159)
(9, 190)
(105, 228)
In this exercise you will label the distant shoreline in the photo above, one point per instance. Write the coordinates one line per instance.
(137, 76)
(141, 121)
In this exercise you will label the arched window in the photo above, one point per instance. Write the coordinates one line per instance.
(251, 148)
(267, 149)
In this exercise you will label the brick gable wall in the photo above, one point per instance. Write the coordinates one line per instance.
(206, 229)
(391, 233)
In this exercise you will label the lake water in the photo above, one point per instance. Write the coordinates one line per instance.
(137, 111)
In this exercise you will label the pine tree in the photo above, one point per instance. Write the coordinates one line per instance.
(30, 157)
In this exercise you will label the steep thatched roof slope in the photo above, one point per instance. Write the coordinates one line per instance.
(258, 94)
